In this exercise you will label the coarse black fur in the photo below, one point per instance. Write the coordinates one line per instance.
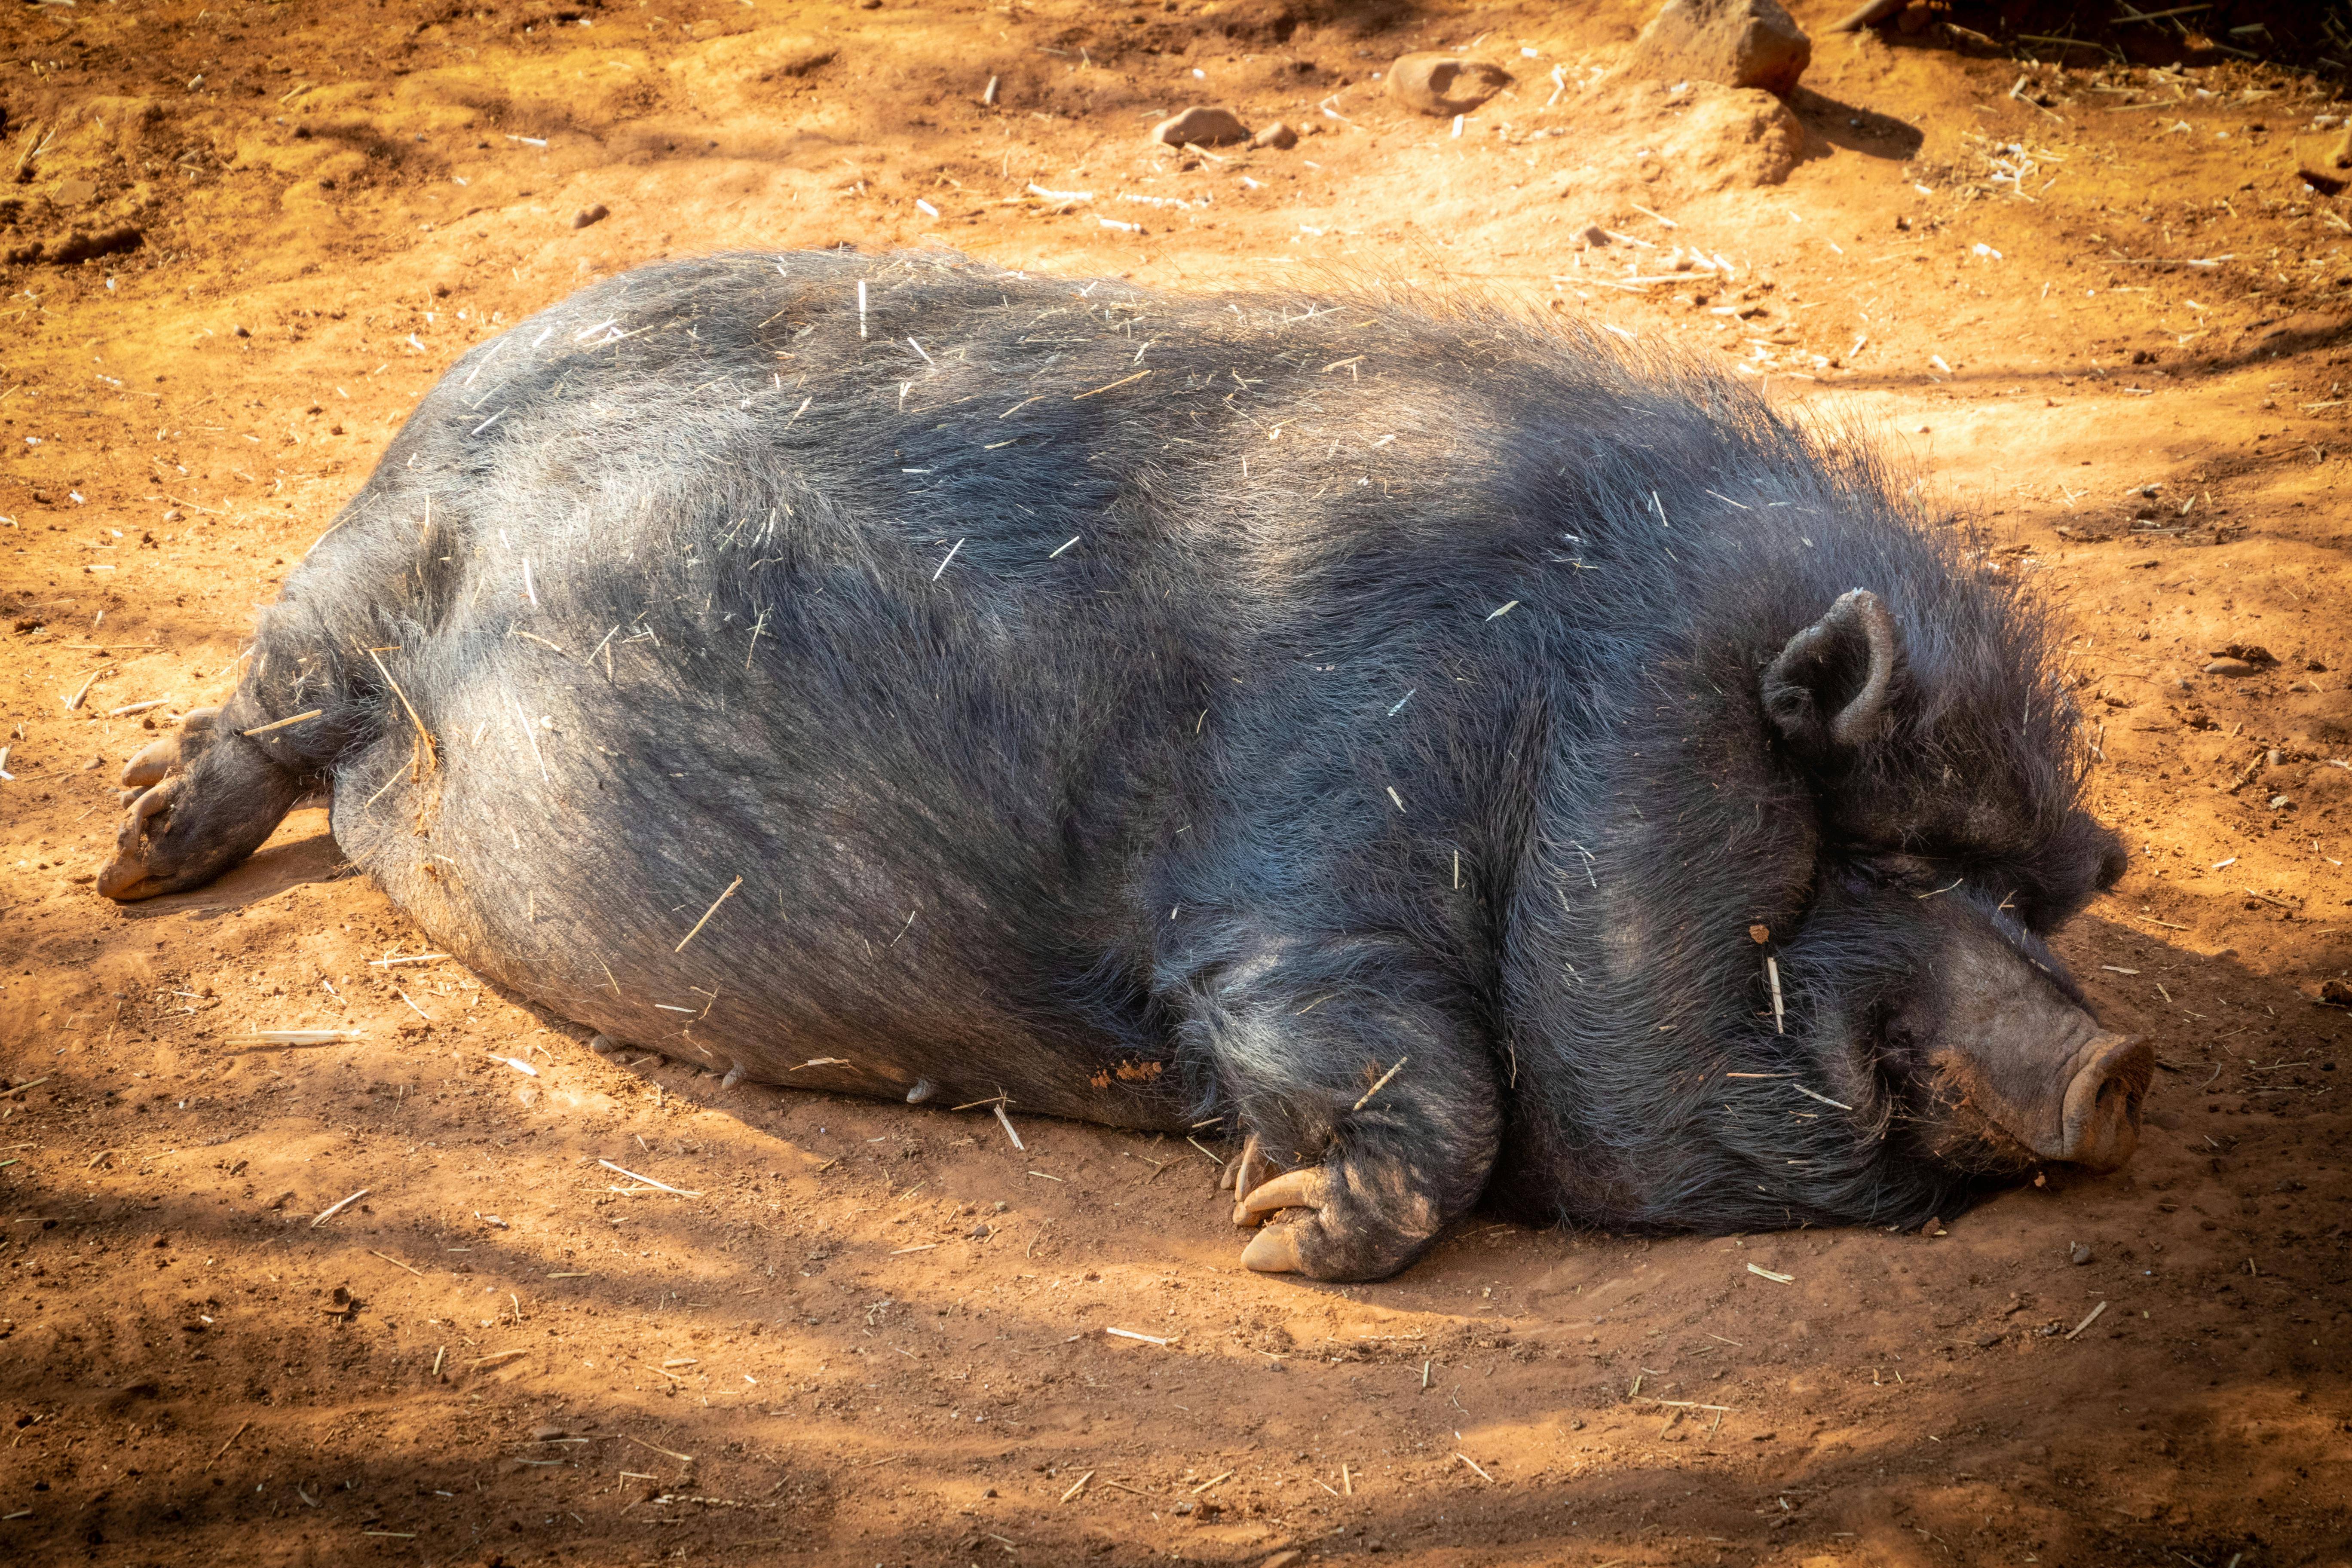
(1157, 709)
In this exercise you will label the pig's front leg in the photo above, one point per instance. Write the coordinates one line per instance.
(1388, 1106)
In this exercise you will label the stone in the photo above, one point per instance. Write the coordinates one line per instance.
(1276, 135)
(1727, 139)
(2078, 1254)
(1203, 126)
(2234, 667)
(1739, 42)
(597, 213)
(1434, 83)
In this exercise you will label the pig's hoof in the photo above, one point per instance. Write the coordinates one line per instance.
(1277, 1249)
(158, 758)
(1363, 1215)
(1243, 1174)
(137, 870)
(204, 801)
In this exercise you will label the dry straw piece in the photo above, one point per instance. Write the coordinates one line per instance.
(331, 1210)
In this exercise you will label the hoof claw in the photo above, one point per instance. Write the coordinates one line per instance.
(1243, 1174)
(1273, 1250)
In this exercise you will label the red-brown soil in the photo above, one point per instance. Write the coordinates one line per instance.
(866, 1333)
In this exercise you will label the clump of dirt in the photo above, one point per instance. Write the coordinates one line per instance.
(440, 1279)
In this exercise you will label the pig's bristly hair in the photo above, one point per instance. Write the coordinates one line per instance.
(1158, 710)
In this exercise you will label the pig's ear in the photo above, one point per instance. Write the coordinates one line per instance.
(1834, 685)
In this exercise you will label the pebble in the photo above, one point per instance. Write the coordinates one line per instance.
(2233, 667)
(588, 214)
(1276, 135)
(1202, 125)
(1433, 82)
(2079, 1255)
(1739, 42)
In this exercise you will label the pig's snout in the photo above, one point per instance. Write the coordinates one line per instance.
(2106, 1080)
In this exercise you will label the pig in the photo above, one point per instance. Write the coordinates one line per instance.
(1564, 783)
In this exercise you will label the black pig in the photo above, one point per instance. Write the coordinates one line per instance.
(1460, 758)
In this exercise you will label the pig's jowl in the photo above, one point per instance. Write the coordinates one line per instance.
(1457, 759)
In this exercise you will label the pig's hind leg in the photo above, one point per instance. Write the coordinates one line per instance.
(1391, 1109)
(200, 800)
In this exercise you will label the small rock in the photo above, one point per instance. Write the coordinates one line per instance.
(2078, 1255)
(1739, 42)
(603, 1044)
(2253, 653)
(2233, 667)
(1276, 135)
(2336, 993)
(588, 214)
(1203, 126)
(1592, 234)
(73, 192)
(1433, 82)
(2278, 803)
(240, 331)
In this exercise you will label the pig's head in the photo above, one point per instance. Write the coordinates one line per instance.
(1950, 842)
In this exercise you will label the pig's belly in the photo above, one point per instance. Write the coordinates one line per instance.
(732, 925)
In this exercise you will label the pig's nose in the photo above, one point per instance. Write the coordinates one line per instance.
(2101, 1121)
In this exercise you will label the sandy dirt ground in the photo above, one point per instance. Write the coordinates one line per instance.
(457, 1290)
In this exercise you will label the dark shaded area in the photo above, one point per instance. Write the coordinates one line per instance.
(79, 246)
(125, 1444)
(2293, 34)
(1854, 129)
